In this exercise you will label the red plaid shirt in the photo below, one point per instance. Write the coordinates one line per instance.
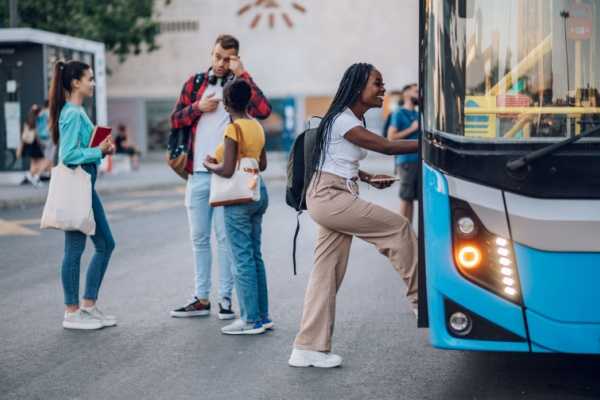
(186, 115)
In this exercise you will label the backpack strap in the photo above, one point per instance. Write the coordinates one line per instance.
(296, 239)
(198, 81)
(240, 142)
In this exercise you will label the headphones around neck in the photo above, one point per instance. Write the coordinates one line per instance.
(213, 79)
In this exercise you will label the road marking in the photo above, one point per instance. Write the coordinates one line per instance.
(122, 204)
(159, 206)
(9, 228)
(162, 193)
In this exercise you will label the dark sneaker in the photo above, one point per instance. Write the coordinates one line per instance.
(267, 323)
(194, 309)
(225, 311)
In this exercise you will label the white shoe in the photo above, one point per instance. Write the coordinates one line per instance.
(308, 358)
(81, 320)
(416, 312)
(107, 320)
(241, 327)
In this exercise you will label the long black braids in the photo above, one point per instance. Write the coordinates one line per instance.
(351, 86)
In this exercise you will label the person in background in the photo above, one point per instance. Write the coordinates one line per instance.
(243, 222)
(124, 145)
(31, 148)
(405, 125)
(72, 130)
(47, 144)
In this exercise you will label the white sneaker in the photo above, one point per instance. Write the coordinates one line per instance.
(241, 327)
(81, 320)
(416, 312)
(308, 358)
(107, 320)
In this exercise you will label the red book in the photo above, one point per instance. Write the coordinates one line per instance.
(100, 133)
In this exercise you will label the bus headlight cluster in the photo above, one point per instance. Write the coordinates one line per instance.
(481, 257)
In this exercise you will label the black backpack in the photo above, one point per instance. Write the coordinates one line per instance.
(299, 174)
(177, 143)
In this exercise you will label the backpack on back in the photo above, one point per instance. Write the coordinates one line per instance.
(299, 174)
(177, 143)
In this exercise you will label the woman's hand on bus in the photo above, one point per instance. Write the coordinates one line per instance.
(371, 141)
(107, 147)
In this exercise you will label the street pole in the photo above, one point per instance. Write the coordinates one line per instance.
(13, 12)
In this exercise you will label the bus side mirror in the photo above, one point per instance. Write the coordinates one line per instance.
(465, 8)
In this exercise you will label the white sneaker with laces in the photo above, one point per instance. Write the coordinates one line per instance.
(309, 358)
(241, 327)
(81, 320)
(107, 320)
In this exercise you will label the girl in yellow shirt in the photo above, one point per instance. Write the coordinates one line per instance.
(243, 222)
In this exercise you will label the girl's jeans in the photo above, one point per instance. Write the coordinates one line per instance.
(243, 224)
(75, 245)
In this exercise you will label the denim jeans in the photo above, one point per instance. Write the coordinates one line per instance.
(244, 225)
(201, 216)
(75, 245)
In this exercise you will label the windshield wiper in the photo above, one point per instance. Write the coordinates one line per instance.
(528, 158)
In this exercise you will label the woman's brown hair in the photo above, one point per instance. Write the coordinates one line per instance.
(61, 85)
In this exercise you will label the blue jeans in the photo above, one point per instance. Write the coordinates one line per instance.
(243, 223)
(75, 245)
(201, 217)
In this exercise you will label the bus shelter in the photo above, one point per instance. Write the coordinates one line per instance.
(27, 57)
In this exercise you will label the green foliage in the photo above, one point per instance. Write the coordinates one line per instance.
(124, 26)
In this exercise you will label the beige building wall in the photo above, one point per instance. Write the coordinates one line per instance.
(305, 62)
(307, 59)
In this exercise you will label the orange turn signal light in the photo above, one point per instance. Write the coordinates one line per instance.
(469, 257)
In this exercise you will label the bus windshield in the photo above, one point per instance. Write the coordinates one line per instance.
(513, 69)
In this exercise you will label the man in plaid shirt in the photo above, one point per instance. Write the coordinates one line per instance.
(206, 116)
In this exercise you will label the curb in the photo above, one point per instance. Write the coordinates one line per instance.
(37, 200)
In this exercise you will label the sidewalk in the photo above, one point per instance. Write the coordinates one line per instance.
(153, 174)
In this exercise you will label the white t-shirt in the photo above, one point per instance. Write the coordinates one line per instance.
(342, 157)
(210, 129)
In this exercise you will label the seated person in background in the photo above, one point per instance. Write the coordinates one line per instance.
(125, 146)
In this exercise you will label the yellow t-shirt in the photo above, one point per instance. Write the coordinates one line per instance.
(253, 139)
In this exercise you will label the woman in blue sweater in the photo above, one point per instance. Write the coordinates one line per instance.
(71, 129)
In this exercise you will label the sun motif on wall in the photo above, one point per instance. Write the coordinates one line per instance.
(271, 9)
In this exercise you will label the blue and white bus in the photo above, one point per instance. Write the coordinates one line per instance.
(510, 202)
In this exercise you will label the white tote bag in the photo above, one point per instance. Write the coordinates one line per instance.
(242, 187)
(69, 203)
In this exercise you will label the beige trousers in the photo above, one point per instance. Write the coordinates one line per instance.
(342, 215)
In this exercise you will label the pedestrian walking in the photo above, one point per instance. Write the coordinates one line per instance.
(333, 202)
(244, 137)
(405, 125)
(200, 107)
(31, 148)
(46, 140)
(72, 130)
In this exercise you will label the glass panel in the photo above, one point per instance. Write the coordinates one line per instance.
(516, 69)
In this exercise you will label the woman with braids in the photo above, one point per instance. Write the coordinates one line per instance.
(333, 202)
(71, 129)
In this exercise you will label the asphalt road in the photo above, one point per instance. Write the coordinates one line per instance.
(152, 356)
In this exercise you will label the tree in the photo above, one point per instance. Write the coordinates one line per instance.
(124, 26)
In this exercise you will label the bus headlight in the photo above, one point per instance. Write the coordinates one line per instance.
(481, 257)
